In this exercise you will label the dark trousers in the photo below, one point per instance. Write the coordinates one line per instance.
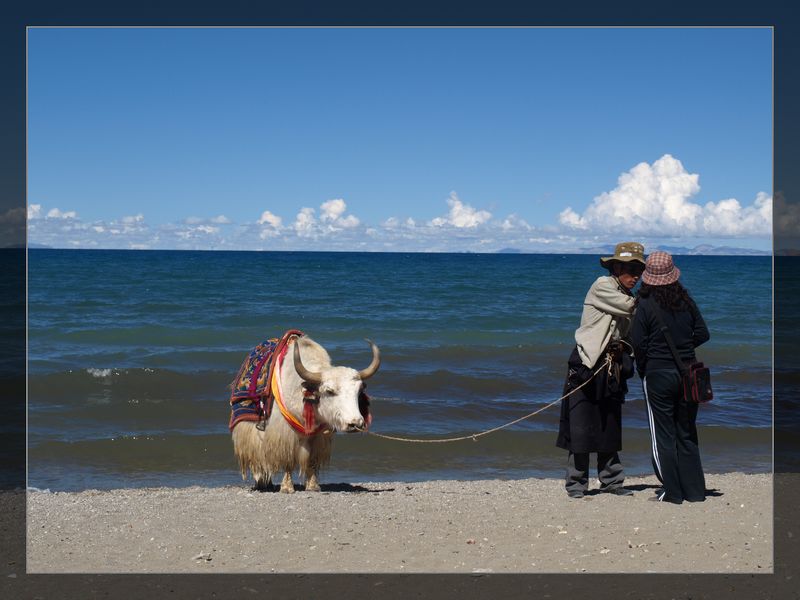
(609, 471)
(673, 437)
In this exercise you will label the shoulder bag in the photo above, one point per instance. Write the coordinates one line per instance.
(696, 376)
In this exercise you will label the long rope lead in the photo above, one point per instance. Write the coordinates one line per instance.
(474, 437)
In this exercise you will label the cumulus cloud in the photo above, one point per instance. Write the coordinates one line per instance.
(271, 225)
(305, 223)
(34, 211)
(332, 211)
(55, 213)
(513, 222)
(461, 215)
(729, 218)
(332, 220)
(267, 218)
(655, 200)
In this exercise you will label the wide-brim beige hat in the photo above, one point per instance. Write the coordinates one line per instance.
(625, 252)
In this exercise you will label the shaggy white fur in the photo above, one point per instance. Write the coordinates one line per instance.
(279, 448)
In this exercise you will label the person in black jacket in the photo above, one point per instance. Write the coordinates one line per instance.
(673, 430)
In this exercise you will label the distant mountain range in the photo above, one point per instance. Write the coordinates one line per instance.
(608, 250)
(703, 249)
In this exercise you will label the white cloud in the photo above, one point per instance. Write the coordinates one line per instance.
(332, 220)
(133, 220)
(218, 220)
(395, 223)
(305, 223)
(728, 218)
(513, 222)
(267, 218)
(271, 225)
(201, 231)
(332, 211)
(55, 213)
(655, 200)
(461, 215)
(34, 211)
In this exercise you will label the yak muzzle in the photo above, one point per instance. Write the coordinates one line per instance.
(357, 425)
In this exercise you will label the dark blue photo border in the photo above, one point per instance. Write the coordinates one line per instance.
(782, 584)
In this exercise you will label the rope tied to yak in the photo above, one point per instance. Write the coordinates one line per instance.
(607, 364)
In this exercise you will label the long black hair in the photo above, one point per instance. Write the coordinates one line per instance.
(672, 297)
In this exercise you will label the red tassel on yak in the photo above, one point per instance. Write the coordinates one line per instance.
(308, 414)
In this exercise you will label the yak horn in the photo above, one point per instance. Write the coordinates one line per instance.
(373, 366)
(305, 374)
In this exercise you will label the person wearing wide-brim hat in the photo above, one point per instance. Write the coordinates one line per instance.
(600, 364)
(664, 302)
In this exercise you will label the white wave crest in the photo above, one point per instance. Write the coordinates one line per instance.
(99, 373)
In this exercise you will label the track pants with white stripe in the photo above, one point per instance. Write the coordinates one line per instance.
(673, 437)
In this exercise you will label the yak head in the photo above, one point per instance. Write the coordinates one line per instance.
(338, 392)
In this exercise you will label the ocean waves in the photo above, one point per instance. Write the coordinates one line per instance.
(131, 355)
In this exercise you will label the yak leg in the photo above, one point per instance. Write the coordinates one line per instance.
(312, 483)
(308, 466)
(287, 485)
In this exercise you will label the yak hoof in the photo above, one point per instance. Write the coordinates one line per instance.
(287, 485)
(312, 485)
(263, 485)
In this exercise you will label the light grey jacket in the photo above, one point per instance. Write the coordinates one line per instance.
(607, 313)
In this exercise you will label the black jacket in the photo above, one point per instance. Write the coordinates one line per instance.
(687, 327)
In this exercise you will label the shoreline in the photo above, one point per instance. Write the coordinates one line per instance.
(440, 526)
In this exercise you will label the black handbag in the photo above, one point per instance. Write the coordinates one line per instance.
(696, 376)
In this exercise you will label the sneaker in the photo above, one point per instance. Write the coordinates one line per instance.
(618, 491)
(575, 494)
(663, 498)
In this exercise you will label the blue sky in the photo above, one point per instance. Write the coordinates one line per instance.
(399, 139)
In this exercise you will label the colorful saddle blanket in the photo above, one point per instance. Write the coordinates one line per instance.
(251, 394)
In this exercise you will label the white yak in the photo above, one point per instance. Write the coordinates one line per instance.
(305, 382)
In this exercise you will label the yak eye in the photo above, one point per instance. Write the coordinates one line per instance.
(328, 390)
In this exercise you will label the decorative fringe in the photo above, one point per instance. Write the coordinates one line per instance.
(308, 415)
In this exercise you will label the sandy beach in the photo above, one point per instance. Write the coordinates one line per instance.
(478, 527)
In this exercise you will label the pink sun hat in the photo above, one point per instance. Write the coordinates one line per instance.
(659, 269)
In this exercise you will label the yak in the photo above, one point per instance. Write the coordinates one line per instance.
(315, 399)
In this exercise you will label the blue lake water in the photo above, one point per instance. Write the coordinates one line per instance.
(131, 354)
